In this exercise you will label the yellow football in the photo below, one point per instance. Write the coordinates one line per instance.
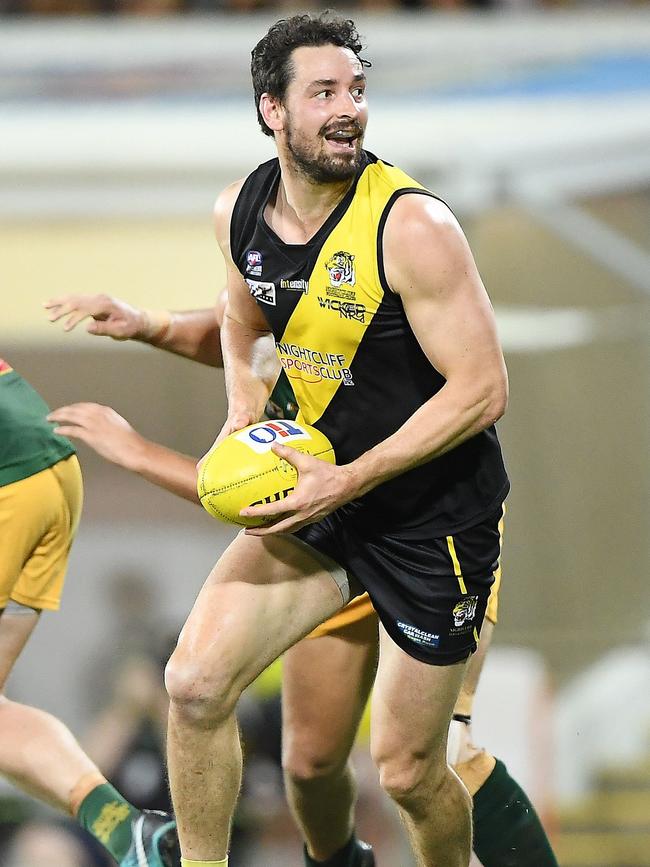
(242, 470)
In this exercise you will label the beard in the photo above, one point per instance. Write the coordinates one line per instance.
(320, 167)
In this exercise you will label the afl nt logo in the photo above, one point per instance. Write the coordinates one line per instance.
(254, 263)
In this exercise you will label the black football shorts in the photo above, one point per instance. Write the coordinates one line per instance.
(430, 593)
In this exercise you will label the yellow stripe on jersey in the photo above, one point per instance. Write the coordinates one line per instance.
(457, 570)
(329, 322)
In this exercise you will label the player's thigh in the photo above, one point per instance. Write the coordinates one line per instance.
(22, 523)
(38, 519)
(412, 705)
(325, 686)
(16, 625)
(69, 479)
(264, 595)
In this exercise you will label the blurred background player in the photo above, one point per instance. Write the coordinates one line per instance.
(326, 677)
(41, 496)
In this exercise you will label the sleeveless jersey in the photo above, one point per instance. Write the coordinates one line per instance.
(345, 344)
(27, 443)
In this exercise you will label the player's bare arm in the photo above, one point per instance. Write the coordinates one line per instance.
(452, 318)
(250, 363)
(191, 333)
(113, 438)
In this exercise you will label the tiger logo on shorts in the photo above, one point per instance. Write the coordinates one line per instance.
(465, 610)
(340, 267)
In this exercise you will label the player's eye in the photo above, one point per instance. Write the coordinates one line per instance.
(323, 94)
(358, 92)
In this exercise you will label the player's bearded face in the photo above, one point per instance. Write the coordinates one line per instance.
(325, 113)
(331, 154)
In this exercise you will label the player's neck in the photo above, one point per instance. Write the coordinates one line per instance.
(302, 206)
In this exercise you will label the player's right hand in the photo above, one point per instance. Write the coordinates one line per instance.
(236, 420)
(101, 428)
(110, 317)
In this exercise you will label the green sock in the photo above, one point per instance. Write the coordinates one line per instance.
(107, 816)
(507, 830)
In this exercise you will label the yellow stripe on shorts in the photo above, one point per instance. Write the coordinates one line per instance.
(457, 570)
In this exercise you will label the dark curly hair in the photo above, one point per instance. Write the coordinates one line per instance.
(271, 64)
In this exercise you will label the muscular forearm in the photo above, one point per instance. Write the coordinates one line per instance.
(113, 438)
(251, 367)
(191, 333)
(165, 468)
(445, 421)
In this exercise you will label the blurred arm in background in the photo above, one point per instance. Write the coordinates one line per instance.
(193, 334)
(113, 438)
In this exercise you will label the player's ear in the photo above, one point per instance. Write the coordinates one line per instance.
(271, 111)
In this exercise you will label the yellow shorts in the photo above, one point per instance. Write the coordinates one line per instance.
(39, 516)
(361, 607)
(358, 609)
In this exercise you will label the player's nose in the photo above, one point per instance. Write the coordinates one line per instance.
(345, 105)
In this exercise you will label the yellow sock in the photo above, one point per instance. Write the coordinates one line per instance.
(185, 862)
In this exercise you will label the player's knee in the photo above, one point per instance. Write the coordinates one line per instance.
(411, 780)
(305, 763)
(200, 693)
(403, 782)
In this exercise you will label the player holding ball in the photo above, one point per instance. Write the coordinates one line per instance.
(327, 676)
(387, 334)
(244, 471)
(379, 318)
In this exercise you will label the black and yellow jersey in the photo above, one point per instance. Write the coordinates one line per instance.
(345, 344)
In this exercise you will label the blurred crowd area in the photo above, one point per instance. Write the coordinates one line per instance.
(165, 7)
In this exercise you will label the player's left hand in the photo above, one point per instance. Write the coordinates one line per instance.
(321, 488)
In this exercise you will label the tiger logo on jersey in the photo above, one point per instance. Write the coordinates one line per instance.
(340, 267)
(465, 610)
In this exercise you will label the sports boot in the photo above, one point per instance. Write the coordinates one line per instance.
(364, 855)
(154, 841)
(355, 853)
